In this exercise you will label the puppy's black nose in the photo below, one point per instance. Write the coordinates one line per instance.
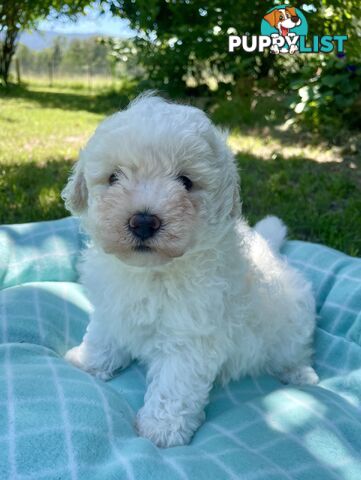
(144, 225)
(294, 19)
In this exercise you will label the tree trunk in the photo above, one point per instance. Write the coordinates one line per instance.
(8, 47)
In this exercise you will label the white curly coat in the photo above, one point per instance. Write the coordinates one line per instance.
(211, 299)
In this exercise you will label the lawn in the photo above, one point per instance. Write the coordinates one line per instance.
(314, 187)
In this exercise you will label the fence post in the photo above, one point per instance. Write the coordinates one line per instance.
(90, 76)
(50, 65)
(17, 68)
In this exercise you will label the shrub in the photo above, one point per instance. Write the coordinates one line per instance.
(327, 94)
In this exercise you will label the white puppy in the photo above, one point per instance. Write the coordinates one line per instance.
(177, 278)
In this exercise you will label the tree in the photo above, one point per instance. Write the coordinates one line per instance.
(189, 39)
(182, 39)
(18, 15)
(88, 55)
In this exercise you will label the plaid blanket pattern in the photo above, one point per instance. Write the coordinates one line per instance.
(59, 423)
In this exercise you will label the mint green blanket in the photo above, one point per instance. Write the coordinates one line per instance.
(59, 423)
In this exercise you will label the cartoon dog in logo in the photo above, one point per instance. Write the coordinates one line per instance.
(283, 19)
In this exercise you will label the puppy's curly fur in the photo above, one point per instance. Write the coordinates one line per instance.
(205, 297)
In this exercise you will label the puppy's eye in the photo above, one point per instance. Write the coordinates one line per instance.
(113, 178)
(281, 18)
(187, 182)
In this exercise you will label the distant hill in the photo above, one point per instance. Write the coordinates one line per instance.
(38, 40)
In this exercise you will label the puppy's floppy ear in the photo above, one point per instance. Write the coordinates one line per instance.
(232, 176)
(237, 206)
(75, 193)
(231, 204)
(272, 18)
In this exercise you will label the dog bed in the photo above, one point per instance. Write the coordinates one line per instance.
(59, 423)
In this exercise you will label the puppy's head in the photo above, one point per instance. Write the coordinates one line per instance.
(154, 182)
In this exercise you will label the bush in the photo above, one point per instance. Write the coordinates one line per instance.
(327, 94)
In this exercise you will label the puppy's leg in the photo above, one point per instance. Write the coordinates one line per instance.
(98, 355)
(175, 400)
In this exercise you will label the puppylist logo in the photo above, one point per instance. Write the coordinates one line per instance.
(284, 30)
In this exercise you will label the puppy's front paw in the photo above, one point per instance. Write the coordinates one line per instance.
(163, 432)
(77, 357)
(299, 376)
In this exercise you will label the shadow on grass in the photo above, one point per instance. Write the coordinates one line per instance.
(265, 113)
(104, 102)
(318, 201)
(31, 192)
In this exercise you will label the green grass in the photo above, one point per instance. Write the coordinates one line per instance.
(312, 186)
(318, 201)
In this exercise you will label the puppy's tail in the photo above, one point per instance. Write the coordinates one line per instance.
(273, 230)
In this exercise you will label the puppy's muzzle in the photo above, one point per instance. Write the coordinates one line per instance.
(144, 225)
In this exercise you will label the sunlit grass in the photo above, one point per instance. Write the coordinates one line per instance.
(265, 145)
(80, 83)
(40, 122)
(32, 133)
